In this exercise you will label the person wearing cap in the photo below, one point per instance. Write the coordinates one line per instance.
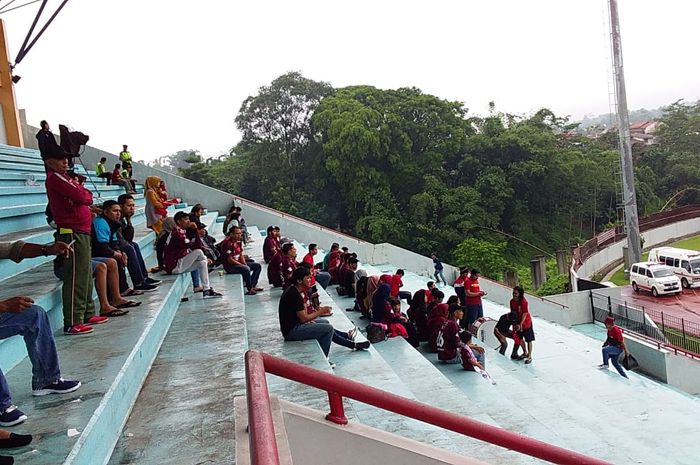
(613, 346)
(69, 202)
(272, 243)
(473, 294)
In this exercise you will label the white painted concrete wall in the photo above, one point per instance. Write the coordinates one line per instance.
(315, 441)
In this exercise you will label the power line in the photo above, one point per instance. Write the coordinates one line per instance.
(5, 10)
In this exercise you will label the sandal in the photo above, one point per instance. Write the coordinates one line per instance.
(116, 312)
(129, 292)
(129, 304)
(258, 289)
(251, 292)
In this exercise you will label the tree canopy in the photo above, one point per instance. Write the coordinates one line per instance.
(410, 168)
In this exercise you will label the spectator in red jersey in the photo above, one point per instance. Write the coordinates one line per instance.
(348, 280)
(117, 179)
(459, 286)
(429, 292)
(272, 243)
(322, 277)
(518, 304)
(334, 263)
(397, 284)
(183, 255)
(436, 319)
(614, 346)
(448, 336)
(236, 262)
(274, 270)
(473, 356)
(418, 313)
(70, 202)
(289, 264)
(399, 324)
(473, 297)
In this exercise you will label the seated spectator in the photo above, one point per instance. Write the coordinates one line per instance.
(161, 242)
(436, 319)
(101, 171)
(429, 292)
(335, 247)
(242, 224)
(196, 213)
(128, 173)
(289, 264)
(380, 300)
(236, 262)
(272, 243)
(182, 255)
(503, 330)
(19, 316)
(334, 263)
(322, 277)
(300, 321)
(473, 356)
(209, 245)
(232, 219)
(157, 203)
(418, 314)
(274, 270)
(348, 279)
(117, 179)
(448, 336)
(397, 284)
(399, 324)
(127, 207)
(109, 242)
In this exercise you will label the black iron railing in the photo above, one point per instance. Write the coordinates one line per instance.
(667, 330)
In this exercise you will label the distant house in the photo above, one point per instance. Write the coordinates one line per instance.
(642, 133)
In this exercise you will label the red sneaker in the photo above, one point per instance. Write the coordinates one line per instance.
(77, 329)
(97, 320)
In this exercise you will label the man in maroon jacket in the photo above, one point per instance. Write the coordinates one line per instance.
(183, 255)
(70, 204)
(272, 243)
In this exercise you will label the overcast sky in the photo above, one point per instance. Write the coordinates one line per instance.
(166, 75)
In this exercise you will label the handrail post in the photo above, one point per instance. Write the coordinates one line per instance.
(261, 428)
(337, 414)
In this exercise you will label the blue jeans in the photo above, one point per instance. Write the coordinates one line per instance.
(250, 273)
(612, 353)
(323, 278)
(438, 275)
(474, 312)
(135, 263)
(33, 325)
(323, 332)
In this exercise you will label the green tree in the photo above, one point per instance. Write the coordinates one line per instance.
(483, 255)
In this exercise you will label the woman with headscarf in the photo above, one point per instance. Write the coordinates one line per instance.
(380, 300)
(418, 314)
(154, 205)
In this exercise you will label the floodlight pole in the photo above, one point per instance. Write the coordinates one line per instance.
(634, 244)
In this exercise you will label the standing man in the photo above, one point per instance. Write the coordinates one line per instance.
(321, 277)
(474, 294)
(19, 316)
(124, 155)
(47, 141)
(438, 270)
(614, 346)
(70, 204)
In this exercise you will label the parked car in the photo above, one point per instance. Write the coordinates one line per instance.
(656, 278)
(685, 263)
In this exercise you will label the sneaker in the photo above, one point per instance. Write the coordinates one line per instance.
(528, 361)
(146, 287)
(362, 345)
(12, 416)
(602, 366)
(352, 333)
(211, 294)
(61, 386)
(152, 281)
(331, 364)
(96, 320)
(77, 329)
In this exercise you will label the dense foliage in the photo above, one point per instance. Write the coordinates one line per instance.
(410, 168)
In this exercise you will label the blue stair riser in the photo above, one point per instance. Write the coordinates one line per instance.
(14, 219)
(13, 350)
(21, 167)
(12, 150)
(27, 198)
(22, 160)
(9, 268)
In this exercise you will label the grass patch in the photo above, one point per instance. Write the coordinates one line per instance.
(692, 243)
(675, 337)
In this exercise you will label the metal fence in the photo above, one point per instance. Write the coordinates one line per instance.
(665, 329)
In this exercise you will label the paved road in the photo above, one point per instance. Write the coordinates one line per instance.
(685, 306)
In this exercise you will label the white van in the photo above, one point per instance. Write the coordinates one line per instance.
(685, 263)
(654, 277)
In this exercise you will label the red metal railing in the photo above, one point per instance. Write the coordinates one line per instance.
(263, 446)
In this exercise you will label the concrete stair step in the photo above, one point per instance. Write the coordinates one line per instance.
(199, 370)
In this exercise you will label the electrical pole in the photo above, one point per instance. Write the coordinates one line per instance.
(634, 244)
